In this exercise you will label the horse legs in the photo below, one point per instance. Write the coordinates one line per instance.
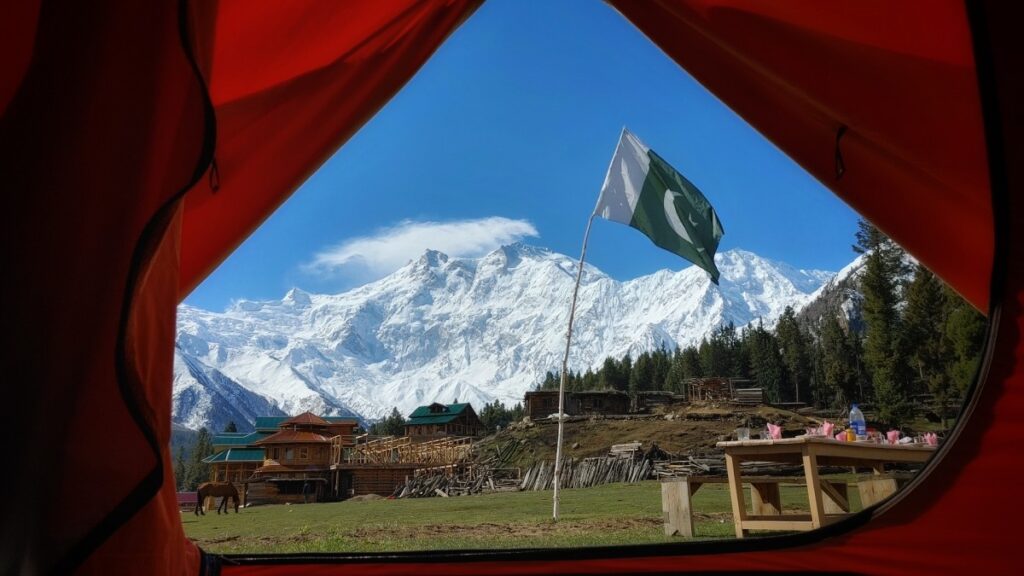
(223, 504)
(199, 504)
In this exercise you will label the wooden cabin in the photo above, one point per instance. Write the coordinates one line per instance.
(439, 420)
(543, 403)
(298, 459)
(286, 459)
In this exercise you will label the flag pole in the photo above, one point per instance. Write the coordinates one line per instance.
(565, 367)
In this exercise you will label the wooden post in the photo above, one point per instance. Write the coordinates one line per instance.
(676, 509)
(814, 497)
(739, 508)
(874, 490)
(836, 497)
(765, 499)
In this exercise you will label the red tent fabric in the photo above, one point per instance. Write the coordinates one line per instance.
(140, 142)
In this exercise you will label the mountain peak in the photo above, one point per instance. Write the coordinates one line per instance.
(298, 298)
(433, 258)
(481, 329)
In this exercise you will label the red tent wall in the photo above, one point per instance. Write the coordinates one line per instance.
(107, 124)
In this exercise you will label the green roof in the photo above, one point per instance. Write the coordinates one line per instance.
(236, 455)
(271, 423)
(237, 439)
(424, 415)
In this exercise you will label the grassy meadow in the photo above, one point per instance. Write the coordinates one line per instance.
(613, 514)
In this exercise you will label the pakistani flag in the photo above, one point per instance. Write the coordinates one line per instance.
(643, 191)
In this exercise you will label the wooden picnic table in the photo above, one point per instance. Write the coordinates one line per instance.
(812, 452)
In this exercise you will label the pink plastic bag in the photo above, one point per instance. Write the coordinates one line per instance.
(826, 428)
(775, 431)
(841, 436)
(893, 436)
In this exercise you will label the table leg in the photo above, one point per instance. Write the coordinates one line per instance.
(739, 508)
(814, 496)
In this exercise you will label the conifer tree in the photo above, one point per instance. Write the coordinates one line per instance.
(231, 427)
(923, 332)
(197, 471)
(965, 332)
(641, 377)
(691, 363)
(608, 376)
(794, 346)
(180, 471)
(765, 362)
(884, 349)
(674, 380)
(838, 366)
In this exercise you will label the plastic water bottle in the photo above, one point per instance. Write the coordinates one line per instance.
(857, 423)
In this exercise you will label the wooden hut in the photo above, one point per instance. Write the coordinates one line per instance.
(298, 460)
(438, 420)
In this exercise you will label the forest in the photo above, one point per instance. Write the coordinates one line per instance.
(910, 337)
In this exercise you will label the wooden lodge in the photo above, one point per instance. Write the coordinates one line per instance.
(543, 403)
(284, 460)
(308, 458)
(376, 465)
(718, 389)
(443, 420)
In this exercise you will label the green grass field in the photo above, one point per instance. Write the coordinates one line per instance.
(613, 514)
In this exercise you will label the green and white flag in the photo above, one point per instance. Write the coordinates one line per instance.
(643, 191)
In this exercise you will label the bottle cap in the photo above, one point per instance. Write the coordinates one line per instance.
(854, 405)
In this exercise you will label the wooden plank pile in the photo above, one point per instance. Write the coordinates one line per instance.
(490, 473)
(715, 466)
(586, 473)
(630, 450)
(748, 396)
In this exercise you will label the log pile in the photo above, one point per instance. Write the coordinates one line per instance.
(715, 466)
(586, 473)
(490, 473)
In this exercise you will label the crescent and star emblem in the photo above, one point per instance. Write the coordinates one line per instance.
(673, 217)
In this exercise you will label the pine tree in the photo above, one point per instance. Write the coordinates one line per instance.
(197, 471)
(923, 334)
(884, 353)
(231, 427)
(691, 363)
(674, 380)
(965, 332)
(640, 378)
(608, 375)
(662, 363)
(625, 369)
(180, 470)
(765, 361)
(838, 366)
(794, 345)
(392, 425)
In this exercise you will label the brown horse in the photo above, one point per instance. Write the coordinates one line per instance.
(225, 489)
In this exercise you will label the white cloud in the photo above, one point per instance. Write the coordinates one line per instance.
(390, 248)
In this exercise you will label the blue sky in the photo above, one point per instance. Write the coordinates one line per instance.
(505, 135)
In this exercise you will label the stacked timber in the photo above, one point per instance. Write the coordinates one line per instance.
(586, 473)
(630, 450)
(712, 466)
(491, 472)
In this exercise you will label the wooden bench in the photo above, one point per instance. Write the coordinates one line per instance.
(677, 495)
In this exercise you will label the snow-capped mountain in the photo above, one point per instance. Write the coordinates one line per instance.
(441, 329)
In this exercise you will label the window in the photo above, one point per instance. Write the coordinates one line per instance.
(304, 453)
(289, 454)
